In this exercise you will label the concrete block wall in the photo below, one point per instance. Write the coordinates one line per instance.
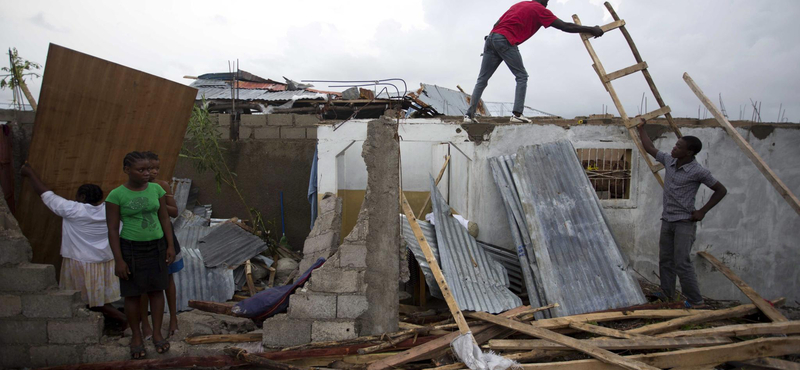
(40, 325)
(270, 126)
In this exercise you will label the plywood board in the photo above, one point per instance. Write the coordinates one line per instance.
(91, 113)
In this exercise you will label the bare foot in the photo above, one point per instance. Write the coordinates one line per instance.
(173, 326)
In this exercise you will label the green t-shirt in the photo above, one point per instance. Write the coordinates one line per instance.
(139, 212)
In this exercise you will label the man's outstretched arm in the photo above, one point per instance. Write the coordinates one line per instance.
(568, 27)
(646, 142)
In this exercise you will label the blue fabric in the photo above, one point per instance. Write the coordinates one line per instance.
(272, 301)
(312, 189)
(176, 266)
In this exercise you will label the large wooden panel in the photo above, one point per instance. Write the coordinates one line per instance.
(91, 113)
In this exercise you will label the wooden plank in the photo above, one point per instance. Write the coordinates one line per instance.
(261, 362)
(636, 121)
(742, 351)
(788, 327)
(625, 71)
(773, 363)
(600, 354)
(606, 27)
(225, 338)
(610, 344)
(438, 178)
(760, 302)
(601, 330)
(91, 113)
(762, 166)
(157, 363)
(248, 271)
(434, 266)
(674, 324)
(564, 322)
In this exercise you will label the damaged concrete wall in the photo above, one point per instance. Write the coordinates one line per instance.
(753, 230)
(323, 240)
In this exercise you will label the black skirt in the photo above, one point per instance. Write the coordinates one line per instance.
(147, 264)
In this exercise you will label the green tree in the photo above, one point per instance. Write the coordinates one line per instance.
(17, 70)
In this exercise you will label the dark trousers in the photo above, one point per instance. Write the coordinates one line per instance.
(496, 50)
(675, 245)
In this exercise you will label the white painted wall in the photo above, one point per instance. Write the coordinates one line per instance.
(752, 230)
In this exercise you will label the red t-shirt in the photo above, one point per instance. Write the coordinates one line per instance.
(522, 20)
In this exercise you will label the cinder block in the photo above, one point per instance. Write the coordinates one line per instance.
(312, 306)
(23, 332)
(269, 132)
(14, 251)
(305, 120)
(280, 120)
(253, 120)
(311, 133)
(13, 357)
(225, 132)
(88, 330)
(324, 331)
(51, 304)
(351, 306)
(245, 132)
(29, 277)
(310, 258)
(10, 305)
(281, 331)
(224, 120)
(319, 243)
(293, 132)
(330, 203)
(107, 353)
(55, 355)
(353, 255)
(334, 280)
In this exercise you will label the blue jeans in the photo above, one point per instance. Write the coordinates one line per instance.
(675, 245)
(497, 49)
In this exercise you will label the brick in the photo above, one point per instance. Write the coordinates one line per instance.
(305, 120)
(224, 120)
(280, 120)
(23, 332)
(330, 203)
(10, 305)
(333, 280)
(13, 357)
(28, 277)
(52, 304)
(225, 132)
(351, 306)
(88, 330)
(55, 355)
(14, 251)
(310, 258)
(324, 331)
(269, 132)
(311, 133)
(312, 306)
(253, 120)
(245, 132)
(319, 243)
(281, 331)
(106, 353)
(353, 255)
(293, 133)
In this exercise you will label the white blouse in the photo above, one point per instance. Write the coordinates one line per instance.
(84, 232)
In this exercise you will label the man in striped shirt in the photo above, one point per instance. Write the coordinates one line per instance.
(679, 218)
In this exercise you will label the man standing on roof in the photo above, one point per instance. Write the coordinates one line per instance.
(516, 26)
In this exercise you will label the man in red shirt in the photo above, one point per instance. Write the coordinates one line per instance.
(516, 26)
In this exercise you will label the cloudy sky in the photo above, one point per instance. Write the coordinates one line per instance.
(742, 49)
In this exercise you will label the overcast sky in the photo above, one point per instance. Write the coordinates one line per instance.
(742, 49)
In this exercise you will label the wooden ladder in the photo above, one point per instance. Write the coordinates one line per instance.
(640, 66)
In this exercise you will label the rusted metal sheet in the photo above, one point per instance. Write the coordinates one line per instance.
(91, 113)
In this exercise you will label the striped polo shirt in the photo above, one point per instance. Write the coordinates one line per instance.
(681, 185)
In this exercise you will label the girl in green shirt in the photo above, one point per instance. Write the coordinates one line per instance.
(141, 253)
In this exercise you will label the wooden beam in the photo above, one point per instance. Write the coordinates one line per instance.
(625, 71)
(438, 178)
(606, 27)
(656, 167)
(760, 302)
(773, 363)
(610, 344)
(161, 363)
(742, 351)
(601, 330)
(789, 327)
(564, 322)
(636, 121)
(261, 362)
(213, 307)
(600, 354)
(387, 344)
(674, 324)
(272, 272)
(248, 271)
(225, 338)
(762, 166)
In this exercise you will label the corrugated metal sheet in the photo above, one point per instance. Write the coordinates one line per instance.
(195, 281)
(214, 92)
(477, 281)
(230, 246)
(445, 101)
(180, 191)
(501, 171)
(430, 236)
(505, 109)
(581, 265)
(510, 262)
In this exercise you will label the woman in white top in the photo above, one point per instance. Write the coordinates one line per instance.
(87, 264)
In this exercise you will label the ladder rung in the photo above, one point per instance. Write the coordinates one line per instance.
(633, 122)
(657, 167)
(625, 71)
(607, 27)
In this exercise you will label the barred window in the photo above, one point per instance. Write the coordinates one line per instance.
(609, 171)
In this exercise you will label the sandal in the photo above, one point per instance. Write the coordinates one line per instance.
(138, 352)
(162, 346)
